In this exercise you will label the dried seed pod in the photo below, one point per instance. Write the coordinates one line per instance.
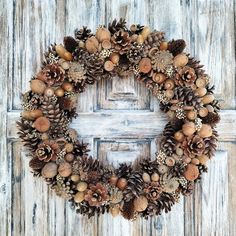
(75, 178)
(65, 169)
(82, 186)
(191, 115)
(179, 136)
(203, 112)
(171, 186)
(79, 197)
(37, 86)
(92, 44)
(201, 82)
(189, 128)
(169, 84)
(44, 136)
(170, 161)
(106, 44)
(201, 92)
(59, 92)
(122, 183)
(42, 124)
(208, 99)
(140, 204)
(103, 34)
(49, 92)
(159, 78)
(49, 170)
(67, 86)
(145, 65)
(69, 157)
(203, 159)
(69, 147)
(164, 45)
(155, 177)
(192, 172)
(180, 60)
(63, 53)
(146, 177)
(195, 161)
(205, 131)
(115, 57)
(108, 66)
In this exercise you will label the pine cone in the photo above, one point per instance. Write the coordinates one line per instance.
(195, 64)
(212, 118)
(51, 56)
(76, 73)
(29, 135)
(36, 164)
(70, 44)
(136, 29)
(168, 146)
(135, 53)
(80, 149)
(152, 190)
(124, 171)
(211, 144)
(71, 114)
(149, 166)
(83, 33)
(178, 169)
(169, 130)
(116, 26)
(176, 46)
(81, 55)
(121, 41)
(31, 100)
(185, 77)
(128, 211)
(188, 190)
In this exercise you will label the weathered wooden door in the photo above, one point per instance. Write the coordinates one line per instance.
(118, 118)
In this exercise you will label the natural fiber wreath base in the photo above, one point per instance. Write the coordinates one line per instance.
(173, 77)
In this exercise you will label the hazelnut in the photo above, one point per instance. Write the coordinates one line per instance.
(192, 172)
(155, 177)
(37, 86)
(49, 170)
(59, 92)
(140, 204)
(180, 60)
(146, 177)
(205, 131)
(108, 66)
(65, 169)
(82, 186)
(67, 86)
(75, 178)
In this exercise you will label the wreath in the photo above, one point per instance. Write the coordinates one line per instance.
(175, 78)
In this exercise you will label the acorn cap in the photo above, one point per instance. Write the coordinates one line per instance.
(203, 112)
(159, 78)
(192, 172)
(106, 44)
(49, 170)
(42, 124)
(108, 66)
(191, 115)
(140, 204)
(115, 57)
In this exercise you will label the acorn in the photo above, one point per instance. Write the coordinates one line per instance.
(158, 78)
(201, 82)
(75, 178)
(203, 159)
(49, 170)
(180, 60)
(140, 204)
(63, 53)
(155, 177)
(115, 210)
(188, 128)
(79, 197)
(191, 115)
(48, 92)
(113, 180)
(205, 131)
(195, 161)
(82, 186)
(26, 115)
(115, 57)
(69, 157)
(69, 147)
(145, 32)
(59, 92)
(103, 34)
(140, 39)
(65, 169)
(201, 92)
(92, 44)
(42, 124)
(208, 99)
(164, 46)
(106, 44)
(108, 66)
(169, 84)
(67, 86)
(146, 177)
(145, 65)
(192, 172)
(203, 112)
(37, 86)
(170, 161)
(122, 183)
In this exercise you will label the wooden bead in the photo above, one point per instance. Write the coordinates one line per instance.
(192, 172)
(49, 170)
(122, 183)
(103, 34)
(37, 86)
(159, 78)
(188, 128)
(205, 131)
(180, 60)
(115, 57)
(42, 124)
(140, 204)
(67, 86)
(203, 112)
(65, 169)
(79, 197)
(108, 66)
(82, 186)
(208, 99)
(63, 53)
(59, 92)
(145, 65)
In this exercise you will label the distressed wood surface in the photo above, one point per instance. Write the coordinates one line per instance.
(118, 118)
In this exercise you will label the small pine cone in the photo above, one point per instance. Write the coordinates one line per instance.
(188, 190)
(165, 202)
(169, 130)
(149, 166)
(202, 169)
(36, 164)
(70, 44)
(116, 26)
(195, 64)
(83, 33)
(71, 114)
(86, 163)
(29, 135)
(165, 107)
(176, 46)
(50, 56)
(80, 149)
(212, 118)
(135, 53)
(168, 146)
(124, 171)
(31, 100)
(76, 73)
(81, 55)
(178, 169)
(128, 211)
(121, 41)
(211, 144)
(136, 29)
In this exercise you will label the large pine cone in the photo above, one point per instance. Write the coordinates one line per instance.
(195, 64)
(135, 53)
(116, 26)
(168, 146)
(83, 33)
(121, 41)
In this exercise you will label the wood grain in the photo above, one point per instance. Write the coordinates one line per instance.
(118, 118)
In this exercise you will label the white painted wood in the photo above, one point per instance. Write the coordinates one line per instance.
(119, 119)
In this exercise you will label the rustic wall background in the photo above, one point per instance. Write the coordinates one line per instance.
(126, 117)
